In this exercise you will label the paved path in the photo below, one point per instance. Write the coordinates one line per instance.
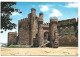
(40, 51)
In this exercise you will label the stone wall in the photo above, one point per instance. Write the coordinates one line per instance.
(23, 32)
(40, 30)
(68, 32)
(32, 31)
(12, 37)
(53, 32)
(68, 21)
(68, 41)
(33, 25)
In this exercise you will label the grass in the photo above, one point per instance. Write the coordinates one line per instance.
(34, 47)
(12, 47)
(17, 47)
(68, 46)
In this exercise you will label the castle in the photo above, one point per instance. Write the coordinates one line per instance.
(33, 32)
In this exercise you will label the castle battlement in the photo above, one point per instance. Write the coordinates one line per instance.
(33, 9)
(40, 19)
(23, 20)
(46, 24)
(33, 32)
(68, 21)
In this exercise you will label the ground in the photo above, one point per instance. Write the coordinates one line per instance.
(61, 51)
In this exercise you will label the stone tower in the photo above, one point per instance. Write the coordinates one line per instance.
(53, 31)
(23, 32)
(32, 32)
(40, 30)
(12, 36)
(32, 25)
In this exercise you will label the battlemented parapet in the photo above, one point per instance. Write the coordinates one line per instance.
(34, 33)
(66, 31)
(53, 32)
(66, 22)
(23, 31)
(45, 27)
(12, 37)
(53, 27)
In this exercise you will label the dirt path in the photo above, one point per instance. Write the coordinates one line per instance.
(40, 51)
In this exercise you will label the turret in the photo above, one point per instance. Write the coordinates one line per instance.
(40, 36)
(40, 19)
(33, 12)
(53, 20)
(53, 31)
(32, 17)
(41, 15)
(40, 29)
(53, 27)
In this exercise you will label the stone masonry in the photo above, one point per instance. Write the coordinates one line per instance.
(34, 33)
(12, 38)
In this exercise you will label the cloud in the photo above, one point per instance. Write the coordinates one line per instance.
(33, 5)
(72, 5)
(44, 8)
(15, 13)
(55, 12)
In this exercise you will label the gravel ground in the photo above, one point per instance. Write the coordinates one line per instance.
(61, 51)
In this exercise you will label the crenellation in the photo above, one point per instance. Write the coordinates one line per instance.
(68, 21)
(53, 32)
(33, 32)
(12, 36)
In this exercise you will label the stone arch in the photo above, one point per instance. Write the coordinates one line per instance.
(46, 35)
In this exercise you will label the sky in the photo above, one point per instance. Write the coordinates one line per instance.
(62, 10)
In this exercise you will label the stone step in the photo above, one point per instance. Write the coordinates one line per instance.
(45, 43)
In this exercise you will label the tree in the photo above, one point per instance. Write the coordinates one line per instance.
(6, 12)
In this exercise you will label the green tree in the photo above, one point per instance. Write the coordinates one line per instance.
(6, 12)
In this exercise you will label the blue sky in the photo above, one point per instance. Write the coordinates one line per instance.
(62, 10)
